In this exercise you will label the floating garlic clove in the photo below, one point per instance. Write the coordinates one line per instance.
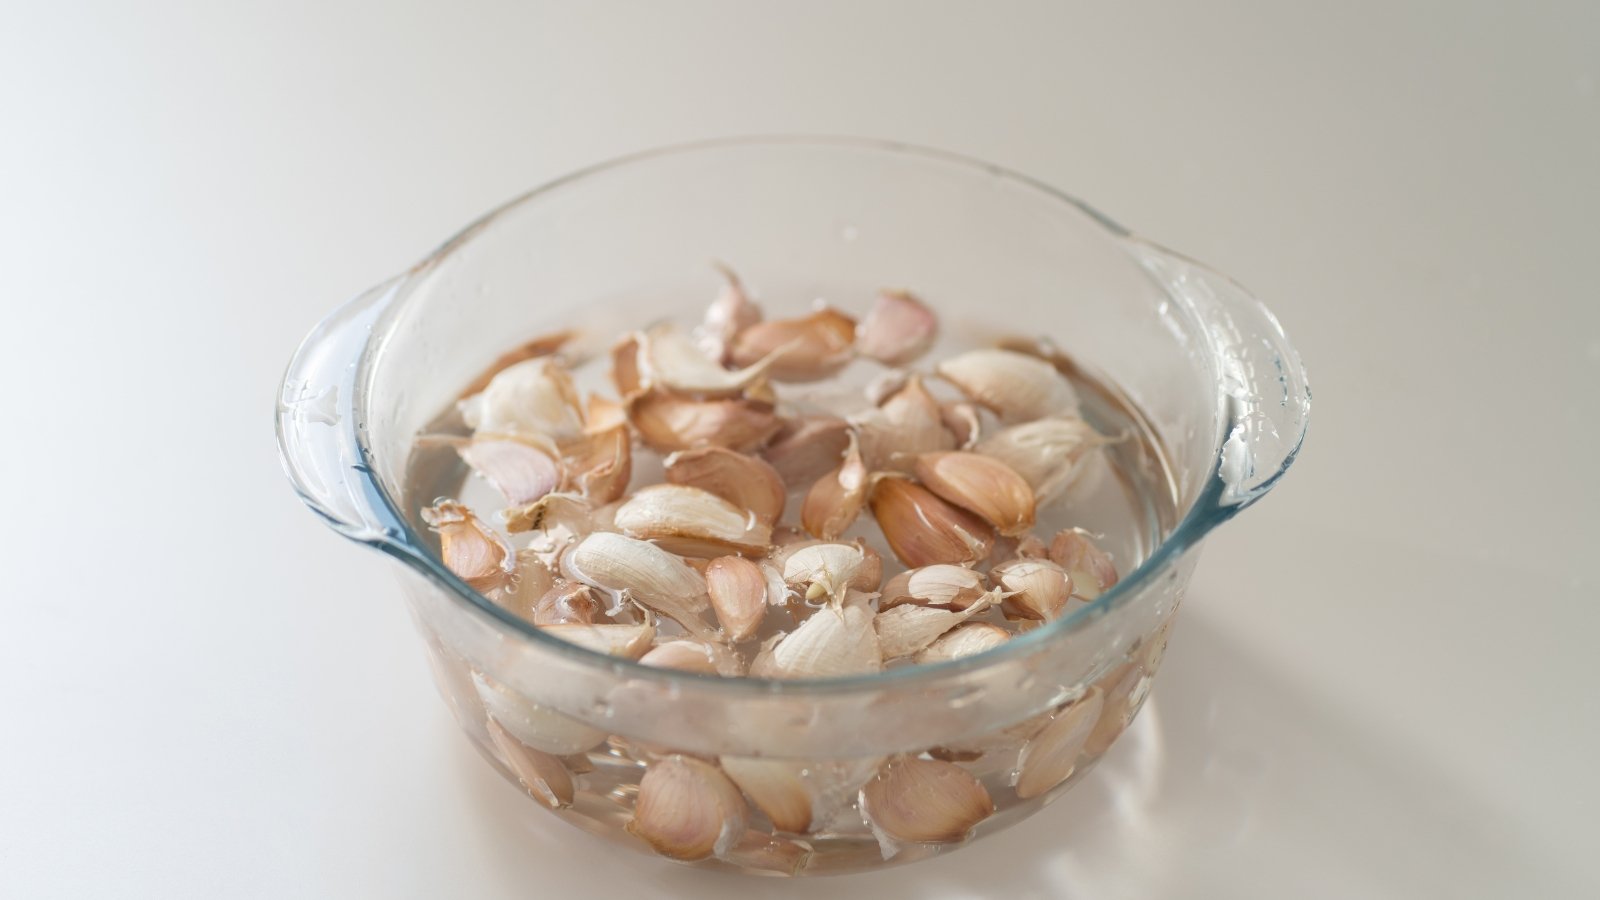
(899, 329)
(692, 522)
(567, 602)
(532, 397)
(906, 629)
(945, 586)
(963, 423)
(627, 369)
(537, 726)
(600, 465)
(646, 573)
(673, 360)
(1040, 588)
(626, 641)
(834, 642)
(812, 347)
(924, 801)
(603, 414)
(1050, 454)
(687, 809)
(968, 639)
(905, 425)
(1016, 386)
(805, 448)
(739, 592)
(1050, 757)
(543, 345)
(776, 787)
(688, 656)
(836, 499)
(923, 530)
(520, 467)
(1091, 568)
(729, 314)
(667, 422)
(543, 775)
(745, 481)
(823, 569)
(981, 485)
(476, 554)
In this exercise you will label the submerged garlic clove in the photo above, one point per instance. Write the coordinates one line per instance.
(759, 852)
(776, 787)
(908, 628)
(745, 481)
(925, 801)
(1016, 386)
(537, 726)
(522, 468)
(527, 585)
(824, 569)
(899, 329)
(806, 348)
(729, 314)
(644, 573)
(835, 642)
(626, 641)
(834, 502)
(1119, 687)
(981, 485)
(1050, 757)
(1039, 588)
(945, 586)
(542, 774)
(567, 602)
(739, 593)
(968, 639)
(667, 422)
(1091, 568)
(923, 530)
(907, 424)
(564, 512)
(600, 464)
(470, 549)
(688, 656)
(1050, 454)
(963, 423)
(531, 397)
(807, 447)
(673, 360)
(687, 809)
(691, 522)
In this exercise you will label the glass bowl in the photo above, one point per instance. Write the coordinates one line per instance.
(1200, 374)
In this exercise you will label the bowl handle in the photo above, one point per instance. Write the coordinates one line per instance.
(1262, 383)
(318, 437)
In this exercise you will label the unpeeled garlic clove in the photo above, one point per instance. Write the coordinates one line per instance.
(543, 345)
(626, 641)
(476, 554)
(600, 464)
(1050, 454)
(1050, 757)
(823, 568)
(981, 485)
(835, 500)
(690, 656)
(908, 628)
(603, 414)
(645, 573)
(729, 314)
(1016, 386)
(667, 422)
(758, 852)
(899, 329)
(673, 360)
(521, 468)
(527, 585)
(567, 602)
(807, 447)
(543, 775)
(1119, 687)
(531, 397)
(687, 809)
(968, 639)
(1039, 588)
(537, 726)
(945, 586)
(923, 530)
(908, 423)
(776, 787)
(745, 481)
(835, 642)
(692, 522)
(806, 348)
(1091, 568)
(739, 593)
(1030, 547)
(963, 423)
(560, 511)
(924, 801)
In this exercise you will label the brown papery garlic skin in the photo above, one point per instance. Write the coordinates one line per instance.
(688, 809)
(627, 368)
(925, 801)
(1091, 568)
(807, 447)
(739, 595)
(1051, 755)
(745, 481)
(899, 329)
(1017, 387)
(812, 347)
(923, 530)
(600, 465)
(469, 548)
(833, 503)
(522, 468)
(544, 776)
(667, 423)
(981, 485)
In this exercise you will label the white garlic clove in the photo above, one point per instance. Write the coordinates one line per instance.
(643, 572)
(981, 485)
(945, 586)
(739, 592)
(963, 423)
(1091, 568)
(687, 809)
(1016, 386)
(923, 530)
(470, 549)
(692, 522)
(805, 448)
(532, 397)
(729, 314)
(925, 801)
(907, 424)
(899, 329)
(537, 726)
(776, 787)
(1050, 454)
(543, 345)
(807, 348)
(521, 468)
(908, 628)
(567, 602)
(626, 641)
(692, 656)
(835, 500)
(743, 480)
(543, 775)
(1039, 588)
(1050, 757)
(675, 361)
(835, 642)
(823, 569)
(968, 639)
(667, 422)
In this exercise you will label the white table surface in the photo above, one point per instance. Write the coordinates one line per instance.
(1383, 681)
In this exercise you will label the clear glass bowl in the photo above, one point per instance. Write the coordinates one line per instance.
(1217, 395)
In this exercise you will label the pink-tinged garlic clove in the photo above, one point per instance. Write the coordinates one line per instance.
(667, 423)
(600, 465)
(1050, 757)
(969, 639)
(743, 480)
(899, 329)
(543, 775)
(807, 348)
(568, 602)
(1017, 387)
(687, 809)
(923, 530)
(980, 485)
(1092, 570)
(963, 423)
(776, 787)
(832, 643)
(1039, 588)
(532, 397)
(673, 360)
(1050, 454)
(806, 448)
(907, 424)
(603, 414)
(728, 315)
(691, 522)
(539, 727)
(835, 500)
(522, 468)
(944, 586)
(925, 801)
(559, 512)
(739, 592)
(907, 629)
(470, 549)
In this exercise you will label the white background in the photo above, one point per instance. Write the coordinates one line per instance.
(1383, 681)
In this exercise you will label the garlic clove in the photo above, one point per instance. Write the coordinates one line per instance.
(667, 422)
(600, 464)
(907, 629)
(729, 314)
(520, 468)
(527, 586)
(981, 485)
(908, 423)
(687, 809)
(923, 530)
(739, 593)
(899, 329)
(567, 602)
(968, 639)
(759, 852)
(531, 397)
(675, 361)
(470, 549)
(537, 726)
(806, 348)
(543, 775)
(1030, 547)
(835, 642)
(807, 447)
(626, 641)
(823, 569)
(692, 522)
(543, 345)
(945, 586)
(835, 500)
(1091, 568)
(644, 573)
(1050, 757)
(602, 413)
(925, 801)
(963, 423)
(560, 511)
(1016, 386)
(1050, 454)
(691, 656)
(776, 787)
(1039, 588)
(745, 481)
(1119, 687)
